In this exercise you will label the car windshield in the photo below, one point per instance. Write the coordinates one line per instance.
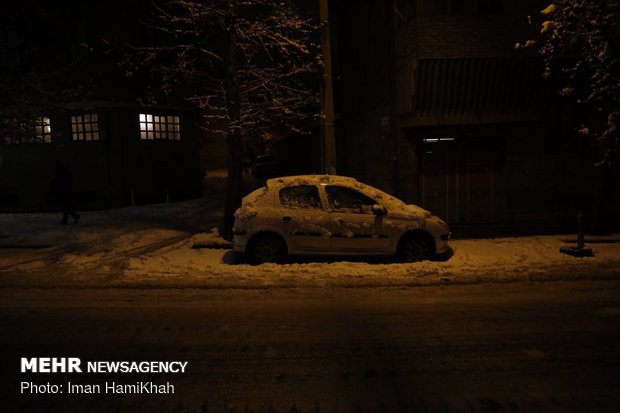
(381, 197)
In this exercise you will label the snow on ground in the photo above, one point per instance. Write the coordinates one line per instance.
(174, 245)
(494, 259)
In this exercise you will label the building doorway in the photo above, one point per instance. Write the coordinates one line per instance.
(459, 178)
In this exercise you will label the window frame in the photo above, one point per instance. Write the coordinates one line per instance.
(159, 127)
(35, 131)
(79, 125)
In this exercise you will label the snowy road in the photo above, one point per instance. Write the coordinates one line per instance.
(550, 346)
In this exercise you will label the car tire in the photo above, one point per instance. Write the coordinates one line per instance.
(266, 248)
(413, 249)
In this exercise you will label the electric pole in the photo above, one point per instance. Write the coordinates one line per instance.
(327, 104)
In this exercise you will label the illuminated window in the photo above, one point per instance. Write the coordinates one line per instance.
(43, 130)
(38, 130)
(85, 127)
(437, 140)
(158, 127)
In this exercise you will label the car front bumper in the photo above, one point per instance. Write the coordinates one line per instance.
(240, 241)
(441, 233)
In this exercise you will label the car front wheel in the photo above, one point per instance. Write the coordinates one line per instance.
(266, 248)
(414, 249)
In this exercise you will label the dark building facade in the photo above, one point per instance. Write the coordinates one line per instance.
(119, 149)
(118, 154)
(437, 106)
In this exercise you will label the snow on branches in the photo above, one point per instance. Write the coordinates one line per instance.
(578, 43)
(259, 58)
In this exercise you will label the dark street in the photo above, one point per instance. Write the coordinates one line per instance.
(548, 346)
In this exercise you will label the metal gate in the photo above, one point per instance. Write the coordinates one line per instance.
(458, 179)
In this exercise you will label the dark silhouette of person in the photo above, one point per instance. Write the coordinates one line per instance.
(62, 185)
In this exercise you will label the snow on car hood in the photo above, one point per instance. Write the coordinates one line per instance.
(420, 212)
(398, 207)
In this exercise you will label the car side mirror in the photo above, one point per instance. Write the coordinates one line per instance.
(379, 210)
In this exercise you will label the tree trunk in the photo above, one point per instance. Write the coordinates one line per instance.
(235, 177)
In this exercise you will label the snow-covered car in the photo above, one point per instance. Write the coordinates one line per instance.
(333, 215)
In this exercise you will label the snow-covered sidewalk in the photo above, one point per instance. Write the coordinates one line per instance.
(154, 246)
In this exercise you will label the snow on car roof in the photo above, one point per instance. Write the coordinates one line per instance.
(311, 180)
(377, 194)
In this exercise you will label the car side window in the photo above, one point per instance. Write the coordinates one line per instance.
(300, 197)
(348, 200)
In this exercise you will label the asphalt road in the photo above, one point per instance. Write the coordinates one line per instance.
(549, 346)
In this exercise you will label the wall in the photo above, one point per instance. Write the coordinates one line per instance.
(105, 171)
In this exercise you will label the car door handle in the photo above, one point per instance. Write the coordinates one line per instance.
(286, 218)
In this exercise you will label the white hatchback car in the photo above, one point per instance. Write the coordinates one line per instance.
(333, 215)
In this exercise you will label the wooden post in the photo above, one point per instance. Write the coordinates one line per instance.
(580, 230)
(327, 104)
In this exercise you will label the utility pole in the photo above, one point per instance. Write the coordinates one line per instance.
(392, 93)
(327, 104)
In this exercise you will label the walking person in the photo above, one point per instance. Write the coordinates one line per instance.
(62, 186)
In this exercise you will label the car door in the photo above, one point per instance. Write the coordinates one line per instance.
(354, 226)
(304, 220)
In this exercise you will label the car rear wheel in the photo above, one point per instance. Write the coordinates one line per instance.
(414, 249)
(266, 248)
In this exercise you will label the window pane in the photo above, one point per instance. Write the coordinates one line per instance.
(348, 200)
(142, 117)
(95, 136)
(300, 197)
(94, 117)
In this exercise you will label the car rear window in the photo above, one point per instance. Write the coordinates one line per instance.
(300, 197)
